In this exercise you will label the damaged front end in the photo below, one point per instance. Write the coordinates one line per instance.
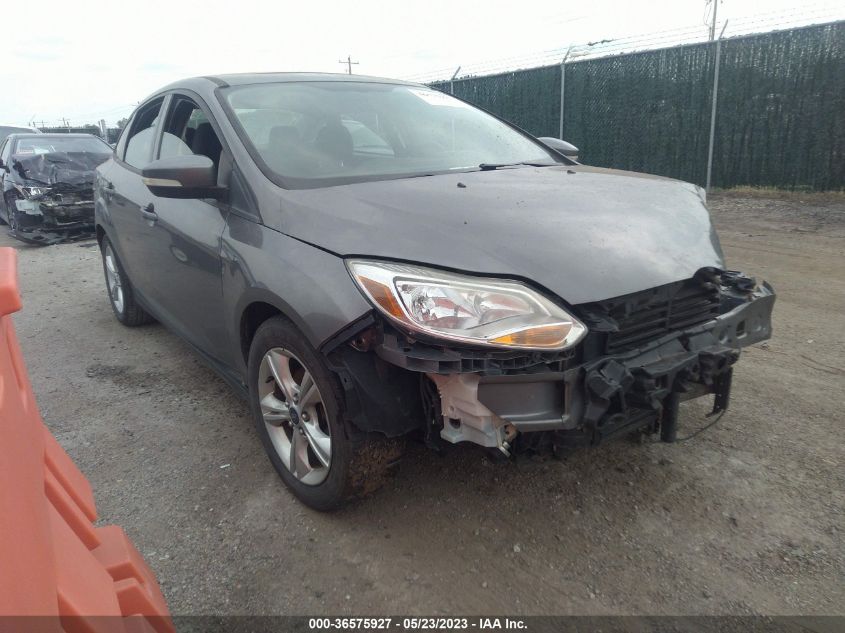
(649, 351)
(57, 213)
(55, 202)
(643, 353)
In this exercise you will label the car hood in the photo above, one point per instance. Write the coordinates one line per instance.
(583, 233)
(58, 168)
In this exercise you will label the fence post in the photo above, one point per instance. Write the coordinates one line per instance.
(713, 109)
(562, 90)
(452, 81)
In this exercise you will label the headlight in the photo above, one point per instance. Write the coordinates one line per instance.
(28, 192)
(467, 309)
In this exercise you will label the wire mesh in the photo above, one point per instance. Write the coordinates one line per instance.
(781, 110)
(646, 111)
(527, 98)
(780, 119)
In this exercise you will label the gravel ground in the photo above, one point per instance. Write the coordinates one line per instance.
(745, 518)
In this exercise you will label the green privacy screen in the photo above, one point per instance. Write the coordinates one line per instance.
(780, 119)
(528, 98)
(781, 110)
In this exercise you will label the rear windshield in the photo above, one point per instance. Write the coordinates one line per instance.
(44, 144)
(321, 133)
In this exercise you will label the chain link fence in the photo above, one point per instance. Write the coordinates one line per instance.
(779, 113)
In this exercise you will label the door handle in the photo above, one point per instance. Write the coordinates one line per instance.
(148, 212)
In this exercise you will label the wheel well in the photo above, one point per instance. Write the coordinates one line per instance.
(8, 198)
(252, 318)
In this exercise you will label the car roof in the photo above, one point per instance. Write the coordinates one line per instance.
(44, 137)
(242, 79)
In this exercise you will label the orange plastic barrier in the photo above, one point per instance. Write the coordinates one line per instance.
(53, 561)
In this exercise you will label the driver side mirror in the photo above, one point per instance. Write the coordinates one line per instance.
(560, 146)
(191, 176)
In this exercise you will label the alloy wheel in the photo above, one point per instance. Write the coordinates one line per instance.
(113, 279)
(295, 416)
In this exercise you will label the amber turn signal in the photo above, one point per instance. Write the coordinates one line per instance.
(551, 336)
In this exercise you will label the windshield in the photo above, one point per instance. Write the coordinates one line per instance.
(44, 144)
(321, 133)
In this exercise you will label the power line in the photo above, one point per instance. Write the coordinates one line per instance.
(793, 17)
(557, 53)
(712, 23)
(100, 114)
(66, 121)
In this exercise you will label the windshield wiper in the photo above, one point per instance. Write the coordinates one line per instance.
(492, 166)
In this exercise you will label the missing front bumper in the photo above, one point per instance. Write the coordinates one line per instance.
(609, 396)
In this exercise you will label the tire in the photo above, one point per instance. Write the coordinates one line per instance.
(338, 462)
(119, 288)
(11, 209)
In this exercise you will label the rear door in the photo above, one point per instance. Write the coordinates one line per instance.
(183, 267)
(126, 195)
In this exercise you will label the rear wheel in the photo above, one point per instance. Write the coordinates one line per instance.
(297, 405)
(121, 295)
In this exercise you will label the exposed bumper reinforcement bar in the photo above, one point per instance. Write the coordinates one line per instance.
(629, 391)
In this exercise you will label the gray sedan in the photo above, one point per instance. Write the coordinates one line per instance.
(368, 259)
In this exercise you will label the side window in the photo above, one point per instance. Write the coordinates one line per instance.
(120, 146)
(139, 142)
(188, 131)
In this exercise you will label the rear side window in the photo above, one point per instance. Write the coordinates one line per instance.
(120, 147)
(139, 142)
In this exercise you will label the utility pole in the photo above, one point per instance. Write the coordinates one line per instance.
(348, 61)
(712, 142)
(452, 80)
(563, 89)
(713, 21)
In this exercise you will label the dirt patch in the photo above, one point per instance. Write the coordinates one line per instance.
(125, 376)
(766, 193)
(744, 518)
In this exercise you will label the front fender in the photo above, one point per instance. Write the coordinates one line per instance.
(308, 285)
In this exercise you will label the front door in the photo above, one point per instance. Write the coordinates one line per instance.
(184, 267)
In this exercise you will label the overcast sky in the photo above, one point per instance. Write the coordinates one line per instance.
(87, 60)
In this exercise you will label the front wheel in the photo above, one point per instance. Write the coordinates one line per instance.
(11, 209)
(297, 405)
